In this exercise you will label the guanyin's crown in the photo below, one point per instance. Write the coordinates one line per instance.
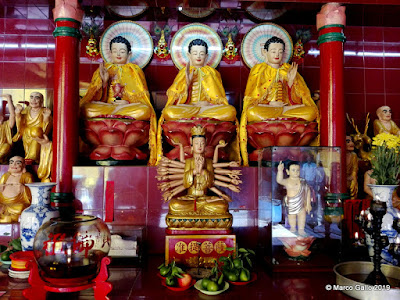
(198, 130)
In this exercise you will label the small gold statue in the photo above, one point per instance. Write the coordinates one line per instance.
(91, 47)
(230, 52)
(385, 122)
(362, 142)
(14, 195)
(161, 50)
(32, 122)
(198, 174)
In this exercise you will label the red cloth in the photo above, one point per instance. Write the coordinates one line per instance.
(352, 208)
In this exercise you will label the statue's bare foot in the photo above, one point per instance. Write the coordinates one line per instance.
(302, 233)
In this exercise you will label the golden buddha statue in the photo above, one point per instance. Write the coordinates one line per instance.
(351, 168)
(385, 122)
(5, 130)
(198, 175)
(197, 91)
(119, 88)
(274, 90)
(31, 121)
(14, 196)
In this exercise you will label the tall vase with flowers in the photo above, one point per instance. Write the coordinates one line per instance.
(385, 162)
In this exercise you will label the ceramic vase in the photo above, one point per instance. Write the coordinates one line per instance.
(38, 213)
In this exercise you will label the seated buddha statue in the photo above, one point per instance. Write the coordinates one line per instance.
(198, 175)
(119, 89)
(384, 123)
(274, 90)
(197, 92)
(14, 195)
(31, 121)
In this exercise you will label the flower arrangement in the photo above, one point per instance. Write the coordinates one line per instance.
(386, 159)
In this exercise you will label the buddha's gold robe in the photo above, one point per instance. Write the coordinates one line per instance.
(99, 101)
(351, 173)
(46, 161)
(207, 89)
(206, 99)
(266, 84)
(196, 201)
(5, 141)
(12, 207)
(380, 128)
(26, 124)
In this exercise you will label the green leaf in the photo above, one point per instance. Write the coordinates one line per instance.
(249, 261)
(160, 266)
(242, 250)
(230, 248)
(251, 251)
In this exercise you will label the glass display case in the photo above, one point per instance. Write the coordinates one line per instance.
(300, 207)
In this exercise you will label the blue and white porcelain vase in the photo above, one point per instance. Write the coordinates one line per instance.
(38, 213)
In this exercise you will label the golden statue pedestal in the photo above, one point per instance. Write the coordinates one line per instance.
(203, 223)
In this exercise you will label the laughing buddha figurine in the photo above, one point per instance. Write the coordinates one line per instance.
(14, 195)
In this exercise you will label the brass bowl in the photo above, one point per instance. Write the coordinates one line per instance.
(350, 276)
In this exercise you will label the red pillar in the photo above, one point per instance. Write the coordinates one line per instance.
(330, 24)
(68, 17)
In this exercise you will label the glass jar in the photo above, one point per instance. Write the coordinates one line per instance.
(69, 252)
(333, 212)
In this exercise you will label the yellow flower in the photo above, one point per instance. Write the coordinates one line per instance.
(386, 158)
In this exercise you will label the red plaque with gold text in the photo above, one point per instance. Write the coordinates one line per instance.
(198, 250)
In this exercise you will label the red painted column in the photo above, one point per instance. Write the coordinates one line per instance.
(330, 24)
(68, 17)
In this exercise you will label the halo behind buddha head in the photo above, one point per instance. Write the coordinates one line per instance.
(254, 40)
(182, 38)
(138, 37)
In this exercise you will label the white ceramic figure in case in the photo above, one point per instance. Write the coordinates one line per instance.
(38, 213)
